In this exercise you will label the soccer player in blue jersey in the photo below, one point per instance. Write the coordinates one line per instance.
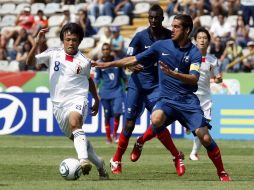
(179, 61)
(143, 91)
(111, 91)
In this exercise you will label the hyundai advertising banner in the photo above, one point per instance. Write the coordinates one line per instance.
(32, 114)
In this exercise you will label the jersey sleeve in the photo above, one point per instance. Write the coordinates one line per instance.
(195, 63)
(134, 46)
(215, 70)
(148, 56)
(44, 57)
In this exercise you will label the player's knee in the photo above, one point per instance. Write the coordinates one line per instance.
(75, 121)
(158, 118)
(129, 126)
(207, 139)
(117, 115)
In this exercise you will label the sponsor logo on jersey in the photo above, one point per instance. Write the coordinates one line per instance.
(12, 114)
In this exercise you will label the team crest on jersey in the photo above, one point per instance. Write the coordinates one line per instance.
(186, 59)
(78, 70)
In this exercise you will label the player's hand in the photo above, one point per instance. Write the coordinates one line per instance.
(95, 107)
(40, 39)
(136, 68)
(165, 68)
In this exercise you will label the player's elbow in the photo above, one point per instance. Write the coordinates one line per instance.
(193, 80)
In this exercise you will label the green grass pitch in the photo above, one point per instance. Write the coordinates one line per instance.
(31, 163)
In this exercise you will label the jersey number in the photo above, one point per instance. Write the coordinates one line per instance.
(56, 67)
(78, 107)
(111, 76)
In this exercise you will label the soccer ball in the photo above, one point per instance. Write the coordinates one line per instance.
(70, 169)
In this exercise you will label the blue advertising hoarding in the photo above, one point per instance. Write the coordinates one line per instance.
(32, 114)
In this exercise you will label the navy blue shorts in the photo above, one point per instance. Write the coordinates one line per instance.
(191, 119)
(138, 100)
(113, 106)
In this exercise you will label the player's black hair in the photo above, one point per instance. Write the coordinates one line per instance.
(202, 29)
(156, 8)
(105, 44)
(73, 28)
(186, 21)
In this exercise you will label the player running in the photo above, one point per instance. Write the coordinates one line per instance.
(209, 70)
(69, 74)
(143, 92)
(179, 61)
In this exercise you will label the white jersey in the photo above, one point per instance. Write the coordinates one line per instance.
(209, 67)
(68, 75)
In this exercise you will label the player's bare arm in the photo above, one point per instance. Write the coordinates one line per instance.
(186, 78)
(136, 68)
(93, 91)
(40, 39)
(125, 62)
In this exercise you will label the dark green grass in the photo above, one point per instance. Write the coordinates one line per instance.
(31, 163)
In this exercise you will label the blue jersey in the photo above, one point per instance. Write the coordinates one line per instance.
(110, 81)
(185, 60)
(148, 78)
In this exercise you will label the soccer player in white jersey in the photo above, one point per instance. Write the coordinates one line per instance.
(209, 70)
(70, 82)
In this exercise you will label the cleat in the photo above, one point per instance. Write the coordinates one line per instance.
(103, 174)
(224, 177)
(109, 141)
(115, 139)
(86, 167)
(116, 167)
(136, 151)
(179, 165)
(194, 157)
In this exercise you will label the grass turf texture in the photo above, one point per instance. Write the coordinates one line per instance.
(28, 163)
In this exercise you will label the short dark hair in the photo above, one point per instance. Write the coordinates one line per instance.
(105, 44)
(73, 28)
(202, 29)
(156, 8)
(186, 21)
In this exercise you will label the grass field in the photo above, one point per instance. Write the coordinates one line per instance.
(31, 163)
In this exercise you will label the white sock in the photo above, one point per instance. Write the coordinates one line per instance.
(196, 146)
(80, 144)
(92, 156)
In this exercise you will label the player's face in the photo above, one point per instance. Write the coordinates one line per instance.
(202, 41)
(106, 51)
(71, 43)
(155, 19)
(178, 32)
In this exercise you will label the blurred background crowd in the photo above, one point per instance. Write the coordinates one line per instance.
(230, 22)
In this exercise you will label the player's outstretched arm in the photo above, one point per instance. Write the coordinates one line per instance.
(125, 62)
(93, 91)
(40, 39)
(186, 78)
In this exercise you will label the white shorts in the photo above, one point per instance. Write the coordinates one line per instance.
(206, 105)
(61, 113)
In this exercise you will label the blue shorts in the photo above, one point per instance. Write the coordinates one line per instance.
(138, 100)
(191, 119)
(113, 106)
